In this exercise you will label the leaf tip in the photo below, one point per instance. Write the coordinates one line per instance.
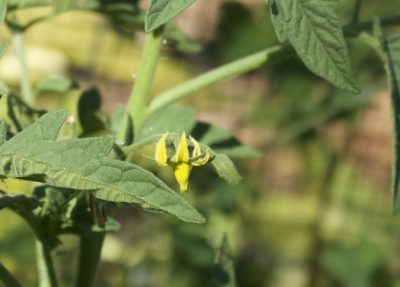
(200, 219)
(60, 113)
(355, 89)
(148, 27)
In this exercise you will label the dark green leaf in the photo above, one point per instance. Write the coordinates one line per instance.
(224, 270)
(83, 164)
(393, 68)
(170, 119)
(160, 11)
(313, 28)
(89, 105)
(226, 169)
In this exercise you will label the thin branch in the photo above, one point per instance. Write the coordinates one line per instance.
(7, 278)
(354, 29)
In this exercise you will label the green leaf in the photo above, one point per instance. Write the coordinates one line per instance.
(170, 119)
(224, 270)
(313, 28)
(220, 140)
(83, 164)
(393, 69)
(226, 169)
(56, 85)
(161, 11)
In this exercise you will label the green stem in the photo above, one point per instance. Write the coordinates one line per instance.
(244, 65)
(47, 274)
(216, 75)
(356, 12)
(90, 251)
(139, 97)
(7, 278)
(26, 87)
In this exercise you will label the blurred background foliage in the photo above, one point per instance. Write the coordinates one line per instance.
(313, 210)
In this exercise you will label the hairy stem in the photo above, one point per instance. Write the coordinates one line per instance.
(26, 87)
(7, 278)
(89, 257)
(139, 97)
(216, 75)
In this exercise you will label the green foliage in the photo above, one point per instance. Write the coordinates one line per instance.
(84, 177)
(224, 270)
(83, 164)
(161, 11)
(313, 28)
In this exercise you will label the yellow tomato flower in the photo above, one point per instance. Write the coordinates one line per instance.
(181, 162)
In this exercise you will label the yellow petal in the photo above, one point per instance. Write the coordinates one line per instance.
(198, 157)
(182, 172)
(196, 150)
(161, 151)
(182, 154)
